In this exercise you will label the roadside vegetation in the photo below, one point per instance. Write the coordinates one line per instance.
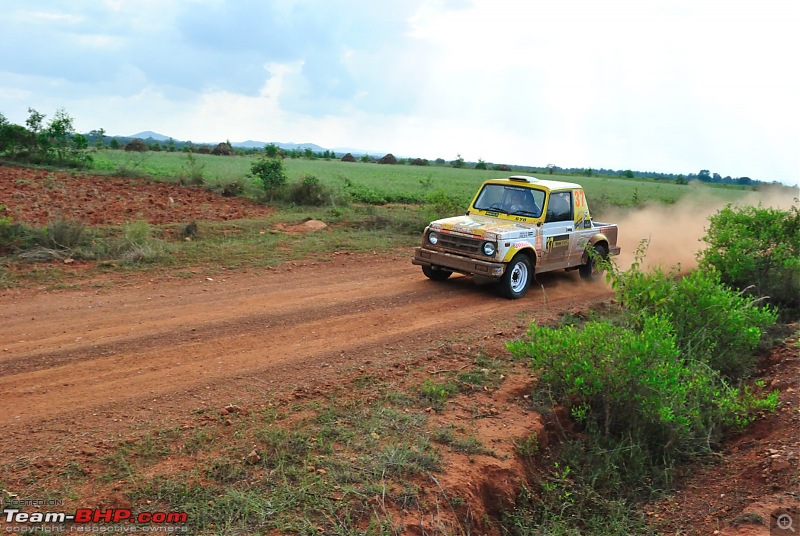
(366, 205)
(662, 383)
(631, 394)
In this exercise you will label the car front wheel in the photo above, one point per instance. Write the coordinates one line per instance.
(435, 273)
(517, 277)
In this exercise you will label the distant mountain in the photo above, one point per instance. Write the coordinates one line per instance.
(250, 144)
(345, 150)
(149, 134)
(253, 144)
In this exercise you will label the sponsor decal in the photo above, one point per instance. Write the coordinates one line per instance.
(557, 243)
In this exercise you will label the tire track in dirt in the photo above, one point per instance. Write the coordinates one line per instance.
(66, 354)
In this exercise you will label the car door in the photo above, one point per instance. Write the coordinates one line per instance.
(557, 229)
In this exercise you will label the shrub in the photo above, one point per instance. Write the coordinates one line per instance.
(712, 322)
(309, 191)
(229, 187)
(635, 385)
(138, 244)
(361, 193)
(444, 204)
(64, 234)
(757, 250)
(192, 171)
(15, 237)
(271, 173)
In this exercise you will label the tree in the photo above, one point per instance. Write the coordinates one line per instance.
(34, 121)
(704, 175)
(59, 131)
(98, 136)
(481, 164)
(272, 151)
(628, 174)
(458, 162)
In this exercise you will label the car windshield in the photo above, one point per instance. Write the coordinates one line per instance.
(510, 200)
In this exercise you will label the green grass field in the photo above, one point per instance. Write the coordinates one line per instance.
(399, 183)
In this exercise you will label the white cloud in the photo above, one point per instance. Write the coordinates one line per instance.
(662, 85)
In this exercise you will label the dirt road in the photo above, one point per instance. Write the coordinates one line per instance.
(109, 357)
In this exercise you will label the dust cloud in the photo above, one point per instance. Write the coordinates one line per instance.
(675, 232)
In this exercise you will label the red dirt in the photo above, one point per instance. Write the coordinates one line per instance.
(80, 368)
(39, 197)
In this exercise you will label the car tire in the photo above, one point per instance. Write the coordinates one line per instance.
(517, 278)
(592, 271)
(435, 273)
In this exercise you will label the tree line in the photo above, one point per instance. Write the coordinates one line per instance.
(55, 142)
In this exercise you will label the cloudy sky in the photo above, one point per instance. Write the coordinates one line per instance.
(651, 85)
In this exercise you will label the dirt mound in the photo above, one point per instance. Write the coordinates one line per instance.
(36, 197)
(136, 145)
(308, 226)
(222, 149)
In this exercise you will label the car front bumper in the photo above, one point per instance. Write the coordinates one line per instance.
(457, 263)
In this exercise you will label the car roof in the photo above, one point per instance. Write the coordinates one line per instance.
(529, 181)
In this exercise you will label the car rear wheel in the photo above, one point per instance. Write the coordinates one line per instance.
(517, 277)
(592, 270)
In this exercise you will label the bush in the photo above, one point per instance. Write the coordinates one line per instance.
(362, 194)
(713, 323)
(444, 205)
(229, 187)
(15, 237)
(625, 384)
(310, 191)
(138, 245)
(64, 234)
(757, 250)
(192, 171)
(271, 173)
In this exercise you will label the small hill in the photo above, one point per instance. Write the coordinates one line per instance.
(149, 134)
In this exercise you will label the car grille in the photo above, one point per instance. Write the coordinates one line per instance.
(460, 244)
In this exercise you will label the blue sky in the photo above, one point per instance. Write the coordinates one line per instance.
(662, 85)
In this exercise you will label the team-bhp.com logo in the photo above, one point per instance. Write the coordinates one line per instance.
(93, 520)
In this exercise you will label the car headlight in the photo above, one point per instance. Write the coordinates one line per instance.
(489, 249)
(433, 238)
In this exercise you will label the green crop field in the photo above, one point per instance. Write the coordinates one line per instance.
(399, 183)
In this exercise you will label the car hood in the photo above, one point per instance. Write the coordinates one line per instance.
(481, 226)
